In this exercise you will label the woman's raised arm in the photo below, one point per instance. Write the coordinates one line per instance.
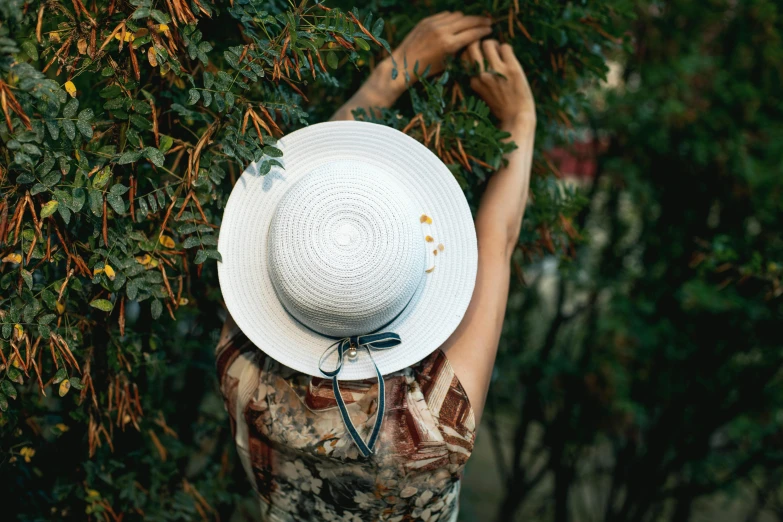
(472, 348)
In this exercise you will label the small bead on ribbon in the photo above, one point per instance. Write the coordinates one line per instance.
(350, 346)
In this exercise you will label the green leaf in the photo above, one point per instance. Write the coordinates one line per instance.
(49, 208)
(15, 375)
(191, 242)
(102, 304)
(155, 156)
(69, 128)
(141, 12)
(8, 389)
(3, 402)
(116, 202)
(76, 382)
(60, 376)
(131, 156)
(362, 44)
(30, 49)
(332, 60)
(156, 309)
(165, 142)
(140, 122)
(85, 128)
(201, 256)
(78, 197)
(273, 152)
(69, 111)
(28, 278)
(193, 96)
(112, 91)
(103, 176)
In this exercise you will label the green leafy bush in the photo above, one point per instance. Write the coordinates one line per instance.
(125, 125)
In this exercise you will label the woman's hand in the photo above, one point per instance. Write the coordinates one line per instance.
(508, 96)
(436, 37)
(429, 43)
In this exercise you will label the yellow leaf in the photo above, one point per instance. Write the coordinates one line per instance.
(183, 301)
(430, 270)
(435, 252)
(166, 241)
(144, 260)
(109, 272)
(62, 427)
(70, 88)
(163, 28)
(154, 263)
(440, 247)
(128, 36)
(97, 271)
(13, 258)
(425, 219)
(428, 239)
(19, 330)
(60, 308)
(16, 363)
(64, 387)
(91, 493)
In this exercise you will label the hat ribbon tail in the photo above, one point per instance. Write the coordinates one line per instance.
(370, 342)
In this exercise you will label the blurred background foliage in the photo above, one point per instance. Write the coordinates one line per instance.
(638, 375)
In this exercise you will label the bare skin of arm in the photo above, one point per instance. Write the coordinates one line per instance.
(472, 348)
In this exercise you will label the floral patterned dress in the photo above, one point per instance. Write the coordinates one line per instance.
(304, 465)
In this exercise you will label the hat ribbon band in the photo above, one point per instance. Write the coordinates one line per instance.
(370, 342)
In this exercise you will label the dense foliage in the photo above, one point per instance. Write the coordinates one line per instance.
(653, 390)
(125, 125)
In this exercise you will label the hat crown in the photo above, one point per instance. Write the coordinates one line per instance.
(346, 252)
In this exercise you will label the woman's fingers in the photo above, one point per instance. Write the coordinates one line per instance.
(509, 59)
(490, 49)
(473, 55)
(467, 36)
(463, 23)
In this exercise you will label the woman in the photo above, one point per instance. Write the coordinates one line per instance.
(414, 475)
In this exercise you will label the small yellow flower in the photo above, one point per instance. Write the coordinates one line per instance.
(70, 88)
(62, 427)
(183, 301)
(163, 28)
(425, 219)
(166, 241)
(428, 239)
(27, 453)
(13, 258)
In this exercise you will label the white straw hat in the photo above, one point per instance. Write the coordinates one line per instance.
(364, 230)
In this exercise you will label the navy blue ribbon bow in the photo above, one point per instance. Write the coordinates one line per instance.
(350, 346)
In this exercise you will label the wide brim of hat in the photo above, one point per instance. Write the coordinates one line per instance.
(441, 300)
